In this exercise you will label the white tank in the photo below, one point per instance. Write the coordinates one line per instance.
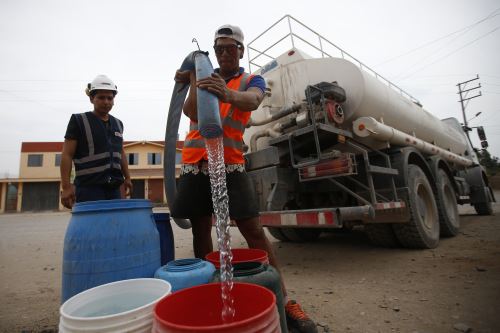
(290, 74)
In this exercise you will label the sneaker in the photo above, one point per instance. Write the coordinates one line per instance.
(297, 320)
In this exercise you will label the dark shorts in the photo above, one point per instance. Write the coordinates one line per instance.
(97, 192)
(194, 198)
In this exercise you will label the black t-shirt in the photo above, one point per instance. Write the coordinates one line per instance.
(73, 130)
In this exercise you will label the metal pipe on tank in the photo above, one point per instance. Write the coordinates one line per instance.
(369, 127)
(280, 114)
(268, 132)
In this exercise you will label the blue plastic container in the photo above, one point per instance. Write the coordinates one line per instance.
(108, 241)
(185, 273)
(164, 227)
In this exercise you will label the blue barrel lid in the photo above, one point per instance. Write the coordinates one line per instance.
(116, 204)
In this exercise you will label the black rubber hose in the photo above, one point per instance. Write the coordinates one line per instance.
(171, 135)
(208, 121)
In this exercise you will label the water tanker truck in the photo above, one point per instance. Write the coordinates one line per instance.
(336, 145)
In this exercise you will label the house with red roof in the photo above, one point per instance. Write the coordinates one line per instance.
(38, 185)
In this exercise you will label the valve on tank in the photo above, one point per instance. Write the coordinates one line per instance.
(334, 111)
(329, 90)
(333, 96)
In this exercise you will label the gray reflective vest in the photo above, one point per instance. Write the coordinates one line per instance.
(98, 156)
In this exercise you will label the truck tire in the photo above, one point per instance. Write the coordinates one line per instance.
(381, 235)
(449, 218)
(276, 233)
(301, 235)
(484, 208)
(422, 230)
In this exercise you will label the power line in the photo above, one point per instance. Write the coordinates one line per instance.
(75, 90)
(462, 92)
(441, 38)
(72, 80)
(78, 100)
(449, 54)
(446, 75)
(431, 54)
(18, 98)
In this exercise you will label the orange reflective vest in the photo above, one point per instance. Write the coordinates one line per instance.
(233, 121)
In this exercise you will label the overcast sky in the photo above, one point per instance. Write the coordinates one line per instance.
(50, 49)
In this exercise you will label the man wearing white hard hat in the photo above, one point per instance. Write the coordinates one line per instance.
(238, 93)
(94, 143)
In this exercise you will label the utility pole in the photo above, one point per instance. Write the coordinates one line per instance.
(463, 98)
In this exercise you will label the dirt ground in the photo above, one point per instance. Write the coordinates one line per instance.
(343, 282)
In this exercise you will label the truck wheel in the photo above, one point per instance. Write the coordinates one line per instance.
(276, 233)
(381, 235)
(422, 231)
(301, 235)
(484, 208)
(449, 219)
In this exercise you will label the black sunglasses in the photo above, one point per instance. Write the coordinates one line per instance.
(232, 49)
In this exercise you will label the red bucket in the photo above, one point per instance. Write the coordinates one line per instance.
(240, 255)
(199, 309)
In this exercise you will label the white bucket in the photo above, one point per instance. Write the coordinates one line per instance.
(121, 306)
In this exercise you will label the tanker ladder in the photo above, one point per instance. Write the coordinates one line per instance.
(376, 206)
(384, 205)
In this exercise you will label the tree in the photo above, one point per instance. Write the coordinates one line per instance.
(491, 163)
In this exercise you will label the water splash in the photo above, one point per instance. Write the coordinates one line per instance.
(217, 172)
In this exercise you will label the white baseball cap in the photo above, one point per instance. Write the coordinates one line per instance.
(229, 31)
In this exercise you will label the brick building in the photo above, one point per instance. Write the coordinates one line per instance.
(38, 185)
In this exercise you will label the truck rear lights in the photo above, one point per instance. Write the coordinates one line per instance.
(341, 166)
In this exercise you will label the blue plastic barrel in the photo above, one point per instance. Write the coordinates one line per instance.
(185, 273)
(108, 241)
(166, 237)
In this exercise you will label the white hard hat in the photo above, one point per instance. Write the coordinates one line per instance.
(102, 82)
